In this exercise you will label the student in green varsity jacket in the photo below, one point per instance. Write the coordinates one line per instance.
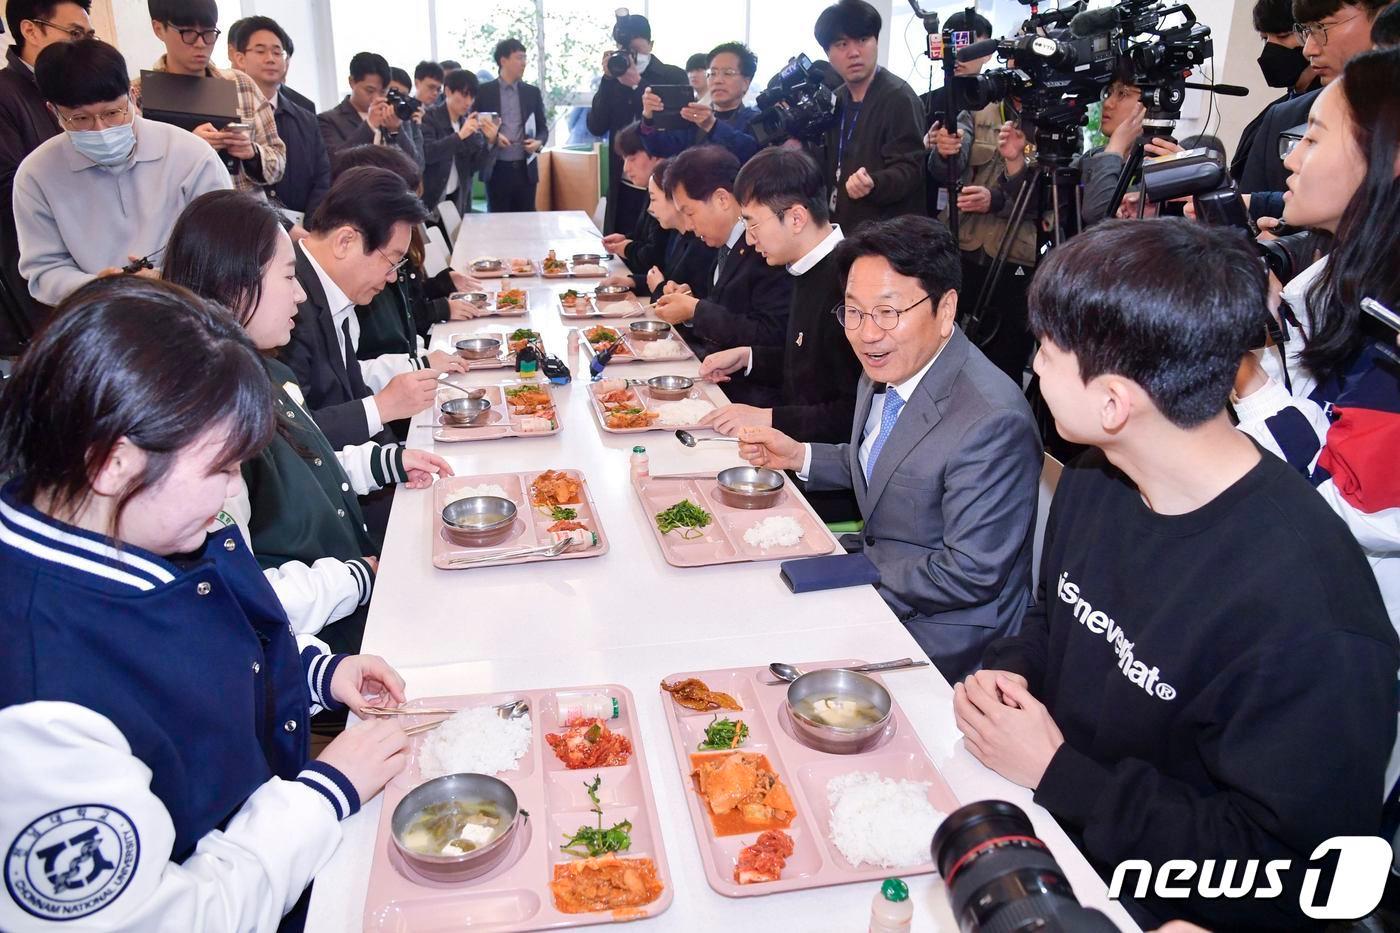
(298, 502)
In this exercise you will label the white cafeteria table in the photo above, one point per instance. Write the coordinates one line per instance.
(629, 618)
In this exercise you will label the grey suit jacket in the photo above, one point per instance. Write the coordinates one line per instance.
(342, 127)
(950, 507)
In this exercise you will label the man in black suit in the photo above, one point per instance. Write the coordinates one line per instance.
(512, 172)
(748, 302)
(455, 143)
(359, 237)
(1333, 31)
(874, 154)
(617, 103)
(365, 115)
(25, 122)
(263, 51)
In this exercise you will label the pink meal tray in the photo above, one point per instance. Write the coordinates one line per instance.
(638, 397)
(500, 421)
(530, 528)
(494, 309)
(505, 272)
(515, 895)
(628, 353)
(571, 274)
(505, 358)
(723, 539)
(589, 307)
(815, 861)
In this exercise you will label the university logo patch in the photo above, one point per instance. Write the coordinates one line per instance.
(72, 862)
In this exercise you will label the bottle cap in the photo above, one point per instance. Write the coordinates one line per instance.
(639, 449)
(895, 890)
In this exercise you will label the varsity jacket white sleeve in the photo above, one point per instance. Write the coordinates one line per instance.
(68, 764)
(378, 371)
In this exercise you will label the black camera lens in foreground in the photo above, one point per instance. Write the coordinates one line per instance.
(1001, 878)
(618, 63)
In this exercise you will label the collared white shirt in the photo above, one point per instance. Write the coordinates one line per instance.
(453, 181)
(804, 265)
(343, 309)
(906, 390)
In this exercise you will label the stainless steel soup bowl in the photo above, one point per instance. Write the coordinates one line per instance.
(472, 787)
(838, 682)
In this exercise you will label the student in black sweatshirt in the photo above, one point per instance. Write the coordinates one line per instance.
(1209, 672)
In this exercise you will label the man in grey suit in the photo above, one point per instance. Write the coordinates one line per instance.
(944, 457)
(365, 115)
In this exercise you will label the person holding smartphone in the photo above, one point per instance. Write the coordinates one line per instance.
(720, 117)
(1331, 407)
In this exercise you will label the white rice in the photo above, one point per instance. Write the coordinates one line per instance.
(658, 349)
(686, 411)
(881, 821)
(476, 741)
(471, 492)
(778, 531)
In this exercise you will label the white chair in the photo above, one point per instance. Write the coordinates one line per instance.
(1049, 478)
(436, 255)
(599, 212)
(451, 219)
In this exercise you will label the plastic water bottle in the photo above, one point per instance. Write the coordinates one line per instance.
(640, 463)
(891, 911)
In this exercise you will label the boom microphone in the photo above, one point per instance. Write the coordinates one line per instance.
(1093, 22)
(1228, 90)
(978, 49)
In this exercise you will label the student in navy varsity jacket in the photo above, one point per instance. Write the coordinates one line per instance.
(154, 705)
(748, 300)
(297, 504)
(1332, 410)
(358, 239)
(1208, 673)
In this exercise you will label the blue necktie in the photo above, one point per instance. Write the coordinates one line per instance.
(893, 403)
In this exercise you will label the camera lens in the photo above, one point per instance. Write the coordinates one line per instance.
(1002, 878)
(618, 63)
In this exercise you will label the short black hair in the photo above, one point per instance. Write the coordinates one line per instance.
(506, 48)
(450, 64)
(75, 74)
(748, 61)
(219, 247)
(914, 245)
(848, 19)
(1385, 31)
(17, 11)
(780, 178)
(1311, 11)
(702, 170)
(697, 62)
(365, 64)
(370, 199)
(980, 27)
(386, 157)
(399, 76)
(462, 81)
(234, 33)
(189, 13)
(1273, 16)
(628, 140)
(246, 28)
(427, 69)
(658, 174)
(1179, 336)
(132, 357)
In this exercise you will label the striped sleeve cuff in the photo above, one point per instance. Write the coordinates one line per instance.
(364, 578)
(386, 465)
(332, 785)
(417, 362)
(320, 668)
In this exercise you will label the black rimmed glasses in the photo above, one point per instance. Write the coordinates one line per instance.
(190, 35)
(885, 317)
(75, 33)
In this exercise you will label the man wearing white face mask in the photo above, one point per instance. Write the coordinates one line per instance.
(106, 191)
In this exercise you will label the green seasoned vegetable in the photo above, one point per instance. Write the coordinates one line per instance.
(594, 733)
(561, 514)
(598, 841)
(524, 333)
(684, 514)
(722, 734)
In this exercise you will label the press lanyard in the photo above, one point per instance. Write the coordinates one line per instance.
(844, 137)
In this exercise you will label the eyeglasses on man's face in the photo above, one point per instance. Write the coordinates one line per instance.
(394, 265)
(276, 51)
(190, 35)
(885, 317)
(754, 224)
(81, 121)
(1318, 32)
(74, 32)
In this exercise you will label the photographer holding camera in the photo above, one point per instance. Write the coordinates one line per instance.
(724, 121)
(618, 102)
(874, 152)
(1333, 410)
(366, 114)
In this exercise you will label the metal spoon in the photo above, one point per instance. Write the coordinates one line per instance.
(469, 393)
(512, 710)
(787, 673)
(551, 550)
(690, 440)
